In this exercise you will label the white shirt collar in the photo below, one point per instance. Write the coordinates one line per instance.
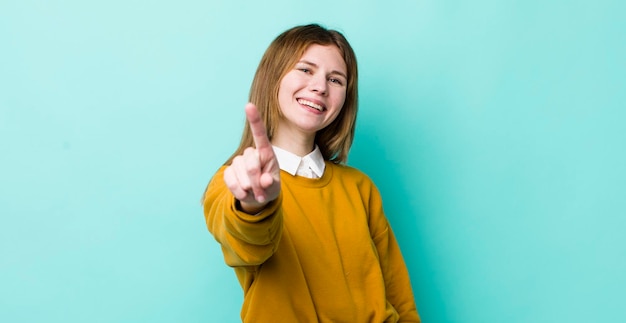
(311, 165)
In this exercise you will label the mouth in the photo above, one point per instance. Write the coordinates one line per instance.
(317, 106)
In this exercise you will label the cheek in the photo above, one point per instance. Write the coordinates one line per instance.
(340, 99)
(283, 93)
(339, 103)
(286, 87)
(281, 88)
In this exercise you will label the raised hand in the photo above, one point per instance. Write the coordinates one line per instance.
(254, 176)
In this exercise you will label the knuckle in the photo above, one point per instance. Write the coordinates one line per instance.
(252, 169)
(234, 188)
(228, 174)
(241, 195)
(245, 184)
(237, 160)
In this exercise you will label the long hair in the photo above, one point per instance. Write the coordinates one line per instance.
(280, 57)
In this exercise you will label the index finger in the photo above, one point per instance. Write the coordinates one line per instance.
(259, 134)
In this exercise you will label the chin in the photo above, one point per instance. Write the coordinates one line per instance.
(310, 127)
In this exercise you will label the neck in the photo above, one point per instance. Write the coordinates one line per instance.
(298, 143)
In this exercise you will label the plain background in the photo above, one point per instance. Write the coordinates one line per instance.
(494, 130)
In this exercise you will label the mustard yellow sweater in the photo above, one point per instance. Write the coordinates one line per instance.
(322, 251)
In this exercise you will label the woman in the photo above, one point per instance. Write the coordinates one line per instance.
(306, 234)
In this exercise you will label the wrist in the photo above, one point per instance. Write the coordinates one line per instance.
(250, 208)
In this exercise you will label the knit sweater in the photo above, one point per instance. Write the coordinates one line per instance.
(323, 251)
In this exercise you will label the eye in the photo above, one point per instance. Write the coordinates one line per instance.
(305, 70)
(336, 81)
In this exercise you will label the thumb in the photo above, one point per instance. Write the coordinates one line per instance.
(266, 180)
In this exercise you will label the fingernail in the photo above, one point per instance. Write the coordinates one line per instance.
(261, 199)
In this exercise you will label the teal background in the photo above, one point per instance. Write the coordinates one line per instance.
(494, 130)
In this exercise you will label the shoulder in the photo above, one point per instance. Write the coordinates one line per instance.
(351, 174)
(356, 181)
(216, 183)
(218, 176)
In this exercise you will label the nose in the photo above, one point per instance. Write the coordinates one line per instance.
(318, 84)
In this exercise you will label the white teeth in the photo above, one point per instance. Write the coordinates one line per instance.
(311, 104)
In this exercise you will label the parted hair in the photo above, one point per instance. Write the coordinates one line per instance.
(280, 57)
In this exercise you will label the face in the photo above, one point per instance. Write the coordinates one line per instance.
(312, 94)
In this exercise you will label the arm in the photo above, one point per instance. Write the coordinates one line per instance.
(249, 185)
(246, 240)
(397, 282)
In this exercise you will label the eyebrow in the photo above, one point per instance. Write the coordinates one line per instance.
(332, 72)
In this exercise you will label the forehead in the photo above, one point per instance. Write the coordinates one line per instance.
(325, 56)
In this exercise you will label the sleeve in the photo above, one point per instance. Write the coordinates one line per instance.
(246, 240)
(395, 273)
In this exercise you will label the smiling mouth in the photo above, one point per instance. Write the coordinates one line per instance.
(311, 104)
